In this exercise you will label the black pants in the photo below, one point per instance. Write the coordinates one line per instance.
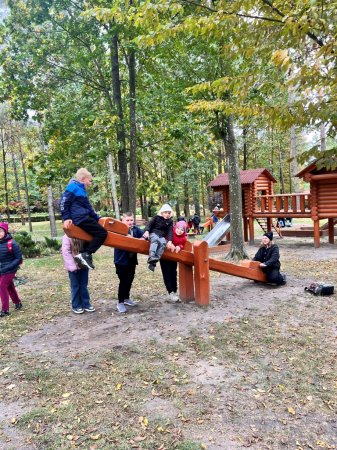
(126, 275)
(96, 230)
(169, 271)
(274, 276)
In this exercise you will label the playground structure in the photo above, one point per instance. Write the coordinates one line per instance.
(194, 260)
(261, 204)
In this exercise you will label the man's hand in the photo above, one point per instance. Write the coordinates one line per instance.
(67, 223)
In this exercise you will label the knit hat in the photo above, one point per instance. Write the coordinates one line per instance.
(4, 226)
(166, 208)
(269, 235)
(181, 224)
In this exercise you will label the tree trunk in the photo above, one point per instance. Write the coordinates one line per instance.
(186, 199)
(133, 129)
(280, 169)
(121, 135)
(245, 148)
(53, 230)
(113, 187)
(237, 251)
(3, 148)
(25, 184)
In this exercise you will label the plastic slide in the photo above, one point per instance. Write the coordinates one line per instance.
(219, 232)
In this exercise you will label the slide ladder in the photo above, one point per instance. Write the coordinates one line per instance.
(274, 223)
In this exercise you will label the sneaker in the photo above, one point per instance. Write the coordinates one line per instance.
(90, 309)
(4, 313)
(121, 308)
(78, 310)
(152, 259)
(173, 298)
(85, 259)
(18, 305)
(130, 302)
(152, 267)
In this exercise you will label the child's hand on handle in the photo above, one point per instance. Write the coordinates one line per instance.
(178, 249)
(146, 235)
(67, 223)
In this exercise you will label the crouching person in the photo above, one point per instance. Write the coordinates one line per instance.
(269, 257)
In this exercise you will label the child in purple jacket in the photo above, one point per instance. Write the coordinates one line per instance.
(78, 275)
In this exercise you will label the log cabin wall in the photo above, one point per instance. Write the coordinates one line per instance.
(326, 198)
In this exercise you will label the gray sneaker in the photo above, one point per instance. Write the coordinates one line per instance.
(121, 308)
(173, 298)
(78, 310)
(84, 259)
(90, 309)
(130, 302)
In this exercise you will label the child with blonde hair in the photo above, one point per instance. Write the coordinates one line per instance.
(75, 208)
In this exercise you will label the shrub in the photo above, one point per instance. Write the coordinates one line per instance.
(29, 248)
(53, 244)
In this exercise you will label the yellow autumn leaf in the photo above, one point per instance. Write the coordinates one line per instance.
(66, 394)
(118, 387)
(95, 437)
(291, 410)
(203, 446)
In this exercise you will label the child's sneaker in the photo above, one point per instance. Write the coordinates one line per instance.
(18, 305)
(90, 309)
(152, 259)
(121, 308)
(78, 310)
(152, 267)
(85, 259)
(4, 313)
(173, 298)
(130, 302)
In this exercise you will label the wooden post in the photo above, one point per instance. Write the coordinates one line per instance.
(251, 230)
(201, 273)
(316, 233)
(186, 286)
(331, 231)
(245, 229)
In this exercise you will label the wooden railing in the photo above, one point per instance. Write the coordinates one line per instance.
(283, 205)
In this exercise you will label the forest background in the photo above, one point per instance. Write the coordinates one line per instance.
(158, 97)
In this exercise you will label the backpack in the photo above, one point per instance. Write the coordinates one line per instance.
(10, 248)
(320, 289)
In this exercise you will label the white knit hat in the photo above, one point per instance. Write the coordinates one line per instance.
(166, 208)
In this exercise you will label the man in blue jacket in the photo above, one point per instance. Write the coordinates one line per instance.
(75, 208)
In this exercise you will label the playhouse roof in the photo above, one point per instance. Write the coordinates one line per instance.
(246, 177)
(312, 167)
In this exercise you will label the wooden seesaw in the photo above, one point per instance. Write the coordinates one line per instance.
(194, 285)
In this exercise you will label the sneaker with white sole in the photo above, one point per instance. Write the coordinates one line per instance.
(90, 309)
(130, 302)
(84, 259)
(78, 310)
(121, 308)
(173, 298)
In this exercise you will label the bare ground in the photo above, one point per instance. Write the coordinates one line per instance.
(255, 369)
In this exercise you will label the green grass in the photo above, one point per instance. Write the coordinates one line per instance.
(40, 229)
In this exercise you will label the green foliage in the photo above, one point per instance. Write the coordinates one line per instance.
(29, 248)
(53, 244)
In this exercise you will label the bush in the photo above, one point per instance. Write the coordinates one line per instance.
(53, 244)
(28, 247)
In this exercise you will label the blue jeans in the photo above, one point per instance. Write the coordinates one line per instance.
(79, 288)
(157, 245)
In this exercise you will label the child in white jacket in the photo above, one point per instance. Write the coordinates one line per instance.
(78, 275)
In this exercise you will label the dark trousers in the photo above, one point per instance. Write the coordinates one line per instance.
(169, 271)
(274, 276)
(126, 274)
(79, 288)
(96, 230)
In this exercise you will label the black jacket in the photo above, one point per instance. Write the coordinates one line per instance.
(160, 226)
(270, 256)
(9, 260)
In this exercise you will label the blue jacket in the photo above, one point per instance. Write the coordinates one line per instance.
(9, 260)
(125, 258)
(75, 203)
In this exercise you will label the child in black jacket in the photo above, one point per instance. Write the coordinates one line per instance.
(125, 263)
(160, 232)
